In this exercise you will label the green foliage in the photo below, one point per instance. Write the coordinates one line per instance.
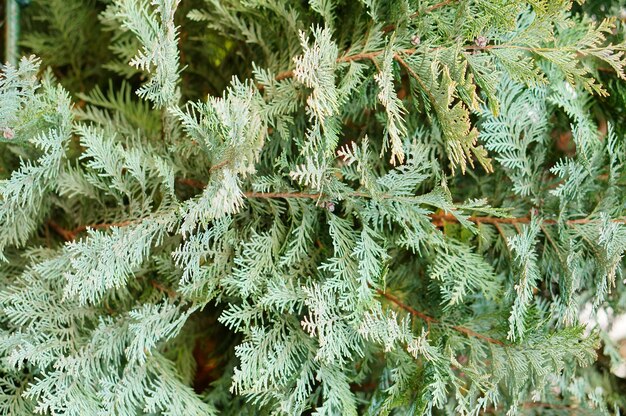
(393, 207)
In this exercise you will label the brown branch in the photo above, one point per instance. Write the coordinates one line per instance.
(66, 234)
(284, 75)
(191, 182)
(434, 7)
(439, 219)
(548, 236)
(503, 235)
(469, 48)
(70, 235)
(541, 405)
(531, 405)
(219, 165)
(415, 76)
(346, 58)
(103, 226)
(158, 286)
(406, 307)
(365, 56)
(431, 320)
(282, 195)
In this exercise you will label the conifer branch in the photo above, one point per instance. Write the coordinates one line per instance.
(438, 219)
(430, 320)
(158, 286)
(279, 195)
(67, 235)
(71, 235)
(435, 7)
(415, 76)
(219, 165)
(541, 405)
(342, 59)
(590, 51)
(117, 310)
(191, 183)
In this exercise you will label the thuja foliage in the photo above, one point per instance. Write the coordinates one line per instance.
(325, 207)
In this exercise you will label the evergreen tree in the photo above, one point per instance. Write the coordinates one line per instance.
(322, 207)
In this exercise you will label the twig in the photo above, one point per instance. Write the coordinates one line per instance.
(70, 235)
(434, 7)
(431, 320)
(191, 182)
(219, 165)
(541, 405)
(468, 48)
(158, 286)
(346, 58)
(504, 237)
(104, 226)
(407, 308)
(66, 234)
(401, 61)
(546, 233)
(439, 219)
(271, 195)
